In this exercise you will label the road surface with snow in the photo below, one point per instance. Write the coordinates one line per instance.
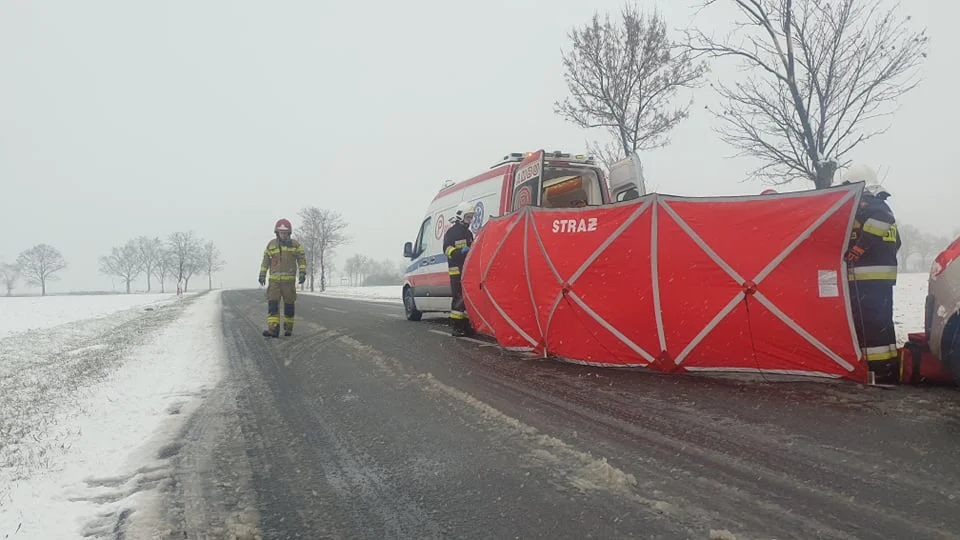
(152, 416)
(365, 425)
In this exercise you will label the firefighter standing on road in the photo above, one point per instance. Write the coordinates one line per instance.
(283, 256)
(872, 274)
(456, 244)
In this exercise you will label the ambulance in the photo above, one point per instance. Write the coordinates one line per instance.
(542, 179)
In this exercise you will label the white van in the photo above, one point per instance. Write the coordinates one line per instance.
(549, 180)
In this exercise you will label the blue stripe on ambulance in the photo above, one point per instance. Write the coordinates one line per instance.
(439, 258)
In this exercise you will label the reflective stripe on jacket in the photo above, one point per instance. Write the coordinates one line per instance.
(456, 238)
(875, 232)
(283, 260)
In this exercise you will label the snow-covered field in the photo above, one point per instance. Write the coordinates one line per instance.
(87, 405)
(909, 296)
(20, 313)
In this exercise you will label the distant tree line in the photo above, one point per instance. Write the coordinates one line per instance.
(919, 248)
(179, 257)
(363, 271)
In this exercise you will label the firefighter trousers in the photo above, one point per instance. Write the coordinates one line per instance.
(278, 290)
(458, 310)
(871, 304)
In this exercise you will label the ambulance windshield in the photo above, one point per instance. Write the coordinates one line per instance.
(570, 186)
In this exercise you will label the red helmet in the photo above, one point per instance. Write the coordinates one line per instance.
(283, 225)
(768, 192)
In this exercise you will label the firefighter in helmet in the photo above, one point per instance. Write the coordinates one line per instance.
(284, 257)
(872, 273)
(456, 244)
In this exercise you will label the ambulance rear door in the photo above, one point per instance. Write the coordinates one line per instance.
(527, 178)
(625, 179)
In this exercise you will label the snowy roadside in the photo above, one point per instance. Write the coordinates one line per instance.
(389, 294)
(21, 313)
(87, 407)
(909, 297)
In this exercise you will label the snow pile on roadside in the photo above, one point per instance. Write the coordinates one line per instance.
(87, 412)
(392, 294)
(20, 313)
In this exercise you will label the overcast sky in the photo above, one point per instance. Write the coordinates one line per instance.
(122, 118)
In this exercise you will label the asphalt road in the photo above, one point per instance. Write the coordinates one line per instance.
(365, 425)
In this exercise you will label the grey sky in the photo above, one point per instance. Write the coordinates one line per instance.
(123, 118)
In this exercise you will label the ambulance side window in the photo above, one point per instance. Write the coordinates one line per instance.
(423, 239)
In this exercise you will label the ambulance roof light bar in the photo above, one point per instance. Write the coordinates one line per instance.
(565, 156)
(555, 155)
(512, 157)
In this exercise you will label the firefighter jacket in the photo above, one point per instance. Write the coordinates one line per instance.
(456, 238)
(876, 240)
(283, 259)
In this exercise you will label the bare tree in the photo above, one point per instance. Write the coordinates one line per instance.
(826, 70)
(9, 275)
(164, 265)
(39, 264)
(608, 152)
(623, 77)
(309, 234)
(151, 249)
(186, 255)
(212, 262)
(124, 262)
(321, 233)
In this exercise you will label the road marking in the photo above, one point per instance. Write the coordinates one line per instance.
(393, 315)
(335, 310)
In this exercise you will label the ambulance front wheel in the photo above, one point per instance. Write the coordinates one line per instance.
(409, 306)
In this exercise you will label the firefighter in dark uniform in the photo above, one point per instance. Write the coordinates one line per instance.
(456, 244)
(872, 273)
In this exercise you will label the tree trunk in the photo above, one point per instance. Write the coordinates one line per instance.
(186, 282)
(128, 285)
(825, 174)
(210, 281)
(148, 279)
(323, 273)
(311, 281)
(43, 286)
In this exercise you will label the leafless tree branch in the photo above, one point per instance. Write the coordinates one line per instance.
(9, 276)
(40, 264)
(830, 70)
(623, 77)
(124, 262)
(321, 232)
(151, 251)
(186, 256)
(212, 262)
